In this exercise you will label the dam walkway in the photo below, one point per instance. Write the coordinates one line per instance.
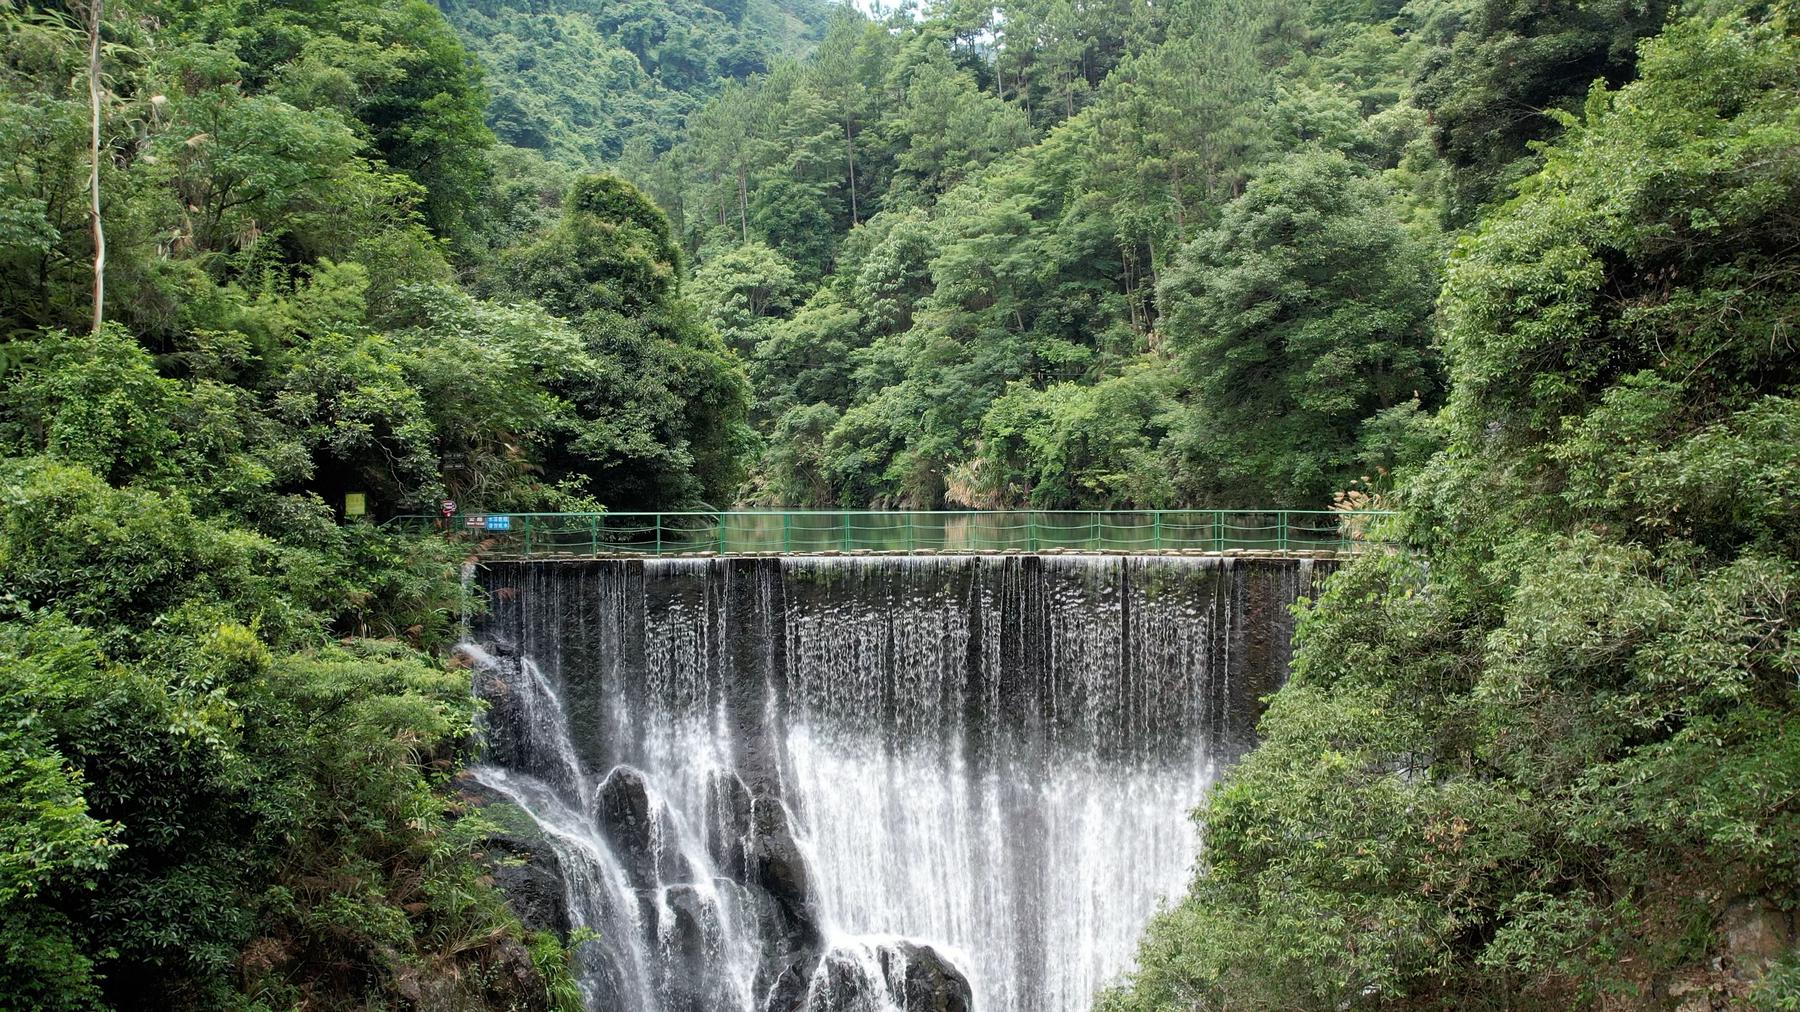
(716, 533)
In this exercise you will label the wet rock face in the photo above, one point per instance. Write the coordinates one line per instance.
(507, 734)
(635, 826)
(922, 980)
(687, 932)
(525, 869)
(751, 841)
(891, 975)
(728, 806)
(841, 984)
(777, 866)
(752, 845)
(787, 992)
(690, 923)
(529, 874)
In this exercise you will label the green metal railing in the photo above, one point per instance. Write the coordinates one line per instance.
(795, 532)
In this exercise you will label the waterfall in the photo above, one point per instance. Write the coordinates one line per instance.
(870, 783)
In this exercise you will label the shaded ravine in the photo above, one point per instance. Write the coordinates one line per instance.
(855, 783)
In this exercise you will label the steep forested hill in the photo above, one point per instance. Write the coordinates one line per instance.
(227, 728)
(1545, 753)
(1111, 253)
(1526, 271)
(583, 80)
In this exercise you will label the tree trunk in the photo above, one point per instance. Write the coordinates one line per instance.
(1176, 195)
(850, 152)
(99, 234)
(743, 202)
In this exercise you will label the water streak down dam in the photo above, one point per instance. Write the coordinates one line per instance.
(857, 783)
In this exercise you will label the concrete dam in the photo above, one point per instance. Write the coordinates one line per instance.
(860, 784)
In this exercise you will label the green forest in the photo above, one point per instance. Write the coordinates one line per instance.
(1526, 273)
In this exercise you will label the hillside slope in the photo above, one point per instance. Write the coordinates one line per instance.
(579, 80)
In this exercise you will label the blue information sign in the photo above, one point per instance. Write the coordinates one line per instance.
(499, 523)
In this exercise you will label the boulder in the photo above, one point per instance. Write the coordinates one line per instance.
(529, 874)
(921, 979)
(1755, 935)
(522, 863)
(638, 828)
(842, 983)
(777, 866)
(884, 977)
(728, 808)
(787, 991)
(692, 977)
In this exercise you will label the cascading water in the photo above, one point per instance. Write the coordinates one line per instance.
(855, 783)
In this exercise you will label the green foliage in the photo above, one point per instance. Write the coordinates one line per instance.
(224, 751)
(667, 421)
(1090, 446)
(745, 293)
(1535, 759)
(271, 270)
(307, 833)
(978, 212)
(1502, 72)
(1047, 254)
(582, 81)
(394, 70)
(1308, 303)
(51, 840)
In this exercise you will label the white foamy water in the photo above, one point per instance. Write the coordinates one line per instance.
(768, 783)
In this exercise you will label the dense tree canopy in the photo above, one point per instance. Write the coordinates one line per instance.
(662, 411)
(586, 81)
(1545, 753)
(971, 242)
(1526, 271)
(227, 738)
(1303, 315)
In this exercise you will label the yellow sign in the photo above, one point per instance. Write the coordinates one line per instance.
(355, 505)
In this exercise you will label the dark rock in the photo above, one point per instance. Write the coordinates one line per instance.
(476, 794)
(495, 645)
(523, 863)
(693, 979)
(777, 866)
(899, 974)
(751, 840)
(529, 875)
(728, 805)
(922, 980)
(506, 732)
(691, 926)
(788, 991)
(636, 828)
(842, 983)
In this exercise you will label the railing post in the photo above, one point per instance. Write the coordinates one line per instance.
(593, 534)
(844, 531)
(719, 518)
(1031, 529)
(1281, 530)
(657, 520)
(527, 520)
(787, 526)
(1218, 530)
(909, 532)
(1095, 539)
(1156, 527)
